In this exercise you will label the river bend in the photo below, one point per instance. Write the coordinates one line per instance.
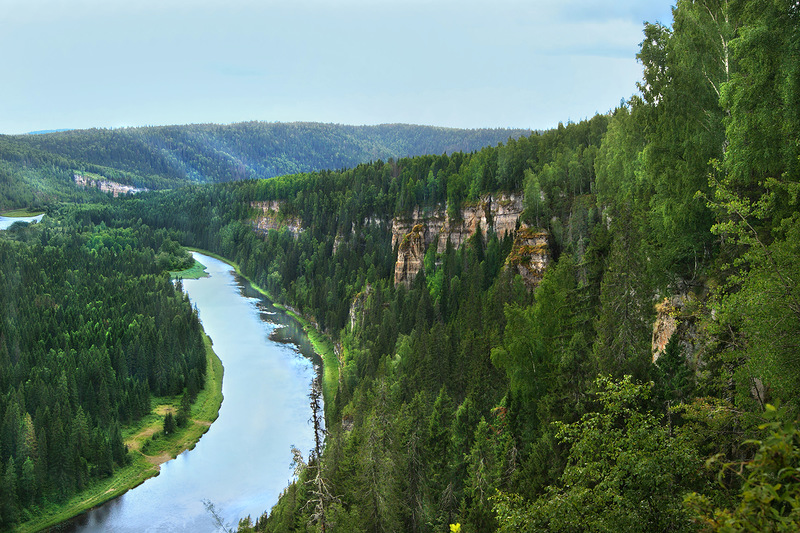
(243, 463)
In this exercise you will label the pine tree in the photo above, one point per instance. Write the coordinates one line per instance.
(169, 423)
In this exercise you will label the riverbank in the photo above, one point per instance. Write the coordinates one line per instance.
(235, 268)
(145, 465)
(21, 213)
(321, 342)
(196, 271)
(324, 347)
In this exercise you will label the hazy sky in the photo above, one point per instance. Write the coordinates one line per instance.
(459, 63)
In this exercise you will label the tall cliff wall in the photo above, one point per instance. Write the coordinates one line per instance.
(500, 213)
(270, 218)
(409, 255)
(413, 234)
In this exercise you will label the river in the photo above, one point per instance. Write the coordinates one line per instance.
(243, 463)
(6, 222)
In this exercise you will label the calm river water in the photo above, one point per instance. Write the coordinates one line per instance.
(6, 222)
(243, 463)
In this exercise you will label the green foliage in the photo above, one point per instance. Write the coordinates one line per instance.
(769, 499)
(90, 328)
(462, 383)
(168, 156)
(625, 472)
(169, 423)
(533, 335)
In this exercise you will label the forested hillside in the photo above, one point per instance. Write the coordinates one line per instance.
(649, 381)
(173, 156)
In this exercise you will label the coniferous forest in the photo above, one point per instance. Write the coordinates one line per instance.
(647, 381)
(92, 327)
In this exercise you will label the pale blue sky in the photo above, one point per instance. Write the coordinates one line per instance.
(458, 63)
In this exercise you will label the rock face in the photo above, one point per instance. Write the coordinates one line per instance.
(432, 223)
(676, 322)
(529, 255)
(665, 325)
(498, 213)
(270, 218)
(105, 185)
(357, 307)
(409, 255)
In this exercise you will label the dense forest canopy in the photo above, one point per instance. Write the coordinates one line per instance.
(650, 381)
(91, 327)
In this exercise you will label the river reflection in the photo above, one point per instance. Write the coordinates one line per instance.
(243, 463)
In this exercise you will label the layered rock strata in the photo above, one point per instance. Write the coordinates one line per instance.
(529, 255)
(270, 218)
(409, 255)
(499, 213)
(412, 235)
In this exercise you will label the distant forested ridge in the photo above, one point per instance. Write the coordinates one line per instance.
(172, 156)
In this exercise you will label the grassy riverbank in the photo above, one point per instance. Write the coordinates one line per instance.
(322, 343)
(196, 271)
(324, 347)
(161, 449)
(235, 268)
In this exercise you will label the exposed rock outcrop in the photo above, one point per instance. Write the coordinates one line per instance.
(105, 185)
(498, 213)
(358, 305)
(271, 218)
(529, 255)
(409, 255)
(432, 222)
(676, 322)
(665, 325)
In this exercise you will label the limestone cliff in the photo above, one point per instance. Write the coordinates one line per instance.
(357, 307)
(409, 255)
(432, 222)
(529, 255)
(270, 218)
(499, 213)
(105, 185)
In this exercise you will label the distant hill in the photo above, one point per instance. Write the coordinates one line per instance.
(211, 153)
(38, 169)
(40, 132)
